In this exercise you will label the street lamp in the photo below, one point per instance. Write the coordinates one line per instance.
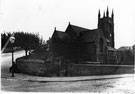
(12, 40)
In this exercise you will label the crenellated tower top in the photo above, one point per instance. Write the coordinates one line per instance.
(106, 24)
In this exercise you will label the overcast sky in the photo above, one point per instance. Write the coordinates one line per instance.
(43, 15)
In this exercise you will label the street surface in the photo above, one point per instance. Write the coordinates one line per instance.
(123, 85)
(6, 61)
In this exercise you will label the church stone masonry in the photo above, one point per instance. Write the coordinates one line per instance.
(81, 44)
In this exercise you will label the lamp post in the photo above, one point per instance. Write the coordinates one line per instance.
(12, 40)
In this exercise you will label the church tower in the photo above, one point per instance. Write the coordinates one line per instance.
(106, 24)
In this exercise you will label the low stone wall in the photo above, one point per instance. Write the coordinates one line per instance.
(41, 68)
(36, 67)
(97, 69)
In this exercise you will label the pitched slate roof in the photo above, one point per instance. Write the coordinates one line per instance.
(86, 35)
(78, 29)
(90, 35)
(61, 34)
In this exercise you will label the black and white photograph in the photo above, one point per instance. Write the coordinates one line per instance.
(67, 46)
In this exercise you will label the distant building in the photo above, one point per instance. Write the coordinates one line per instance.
(81, 44)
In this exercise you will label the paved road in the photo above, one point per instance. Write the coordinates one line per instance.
(122, 85)
(6, 61)
(117, 85)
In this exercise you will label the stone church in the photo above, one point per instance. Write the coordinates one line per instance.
(81, 44)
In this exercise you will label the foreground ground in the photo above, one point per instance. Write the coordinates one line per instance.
(116, 85)
(119, 85)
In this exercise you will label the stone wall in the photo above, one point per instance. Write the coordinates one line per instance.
(41, 68)
(36, 67)
(89, 52)
(97, 69)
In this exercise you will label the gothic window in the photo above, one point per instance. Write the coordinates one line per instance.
(101, 45)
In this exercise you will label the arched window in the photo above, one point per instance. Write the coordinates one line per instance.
(101, 45)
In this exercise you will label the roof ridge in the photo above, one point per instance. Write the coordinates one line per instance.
(79, 27)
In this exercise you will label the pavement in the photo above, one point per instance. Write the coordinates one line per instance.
(64, 79)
